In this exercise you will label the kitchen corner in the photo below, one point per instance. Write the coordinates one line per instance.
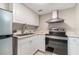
(39, 29)
(28, 40)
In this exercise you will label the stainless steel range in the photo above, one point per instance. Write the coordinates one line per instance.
(56, 40)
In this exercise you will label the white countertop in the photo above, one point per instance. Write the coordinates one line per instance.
(69, 34)
(72, 34)
(26, 36)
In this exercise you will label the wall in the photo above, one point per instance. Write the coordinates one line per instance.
(69, 18)
(43, 28)
(23, 28)
(77, 19)
(6, 6)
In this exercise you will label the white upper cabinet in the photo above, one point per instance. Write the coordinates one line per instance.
(18, 11)
(22, 14)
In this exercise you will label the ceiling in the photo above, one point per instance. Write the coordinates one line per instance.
(44, 8)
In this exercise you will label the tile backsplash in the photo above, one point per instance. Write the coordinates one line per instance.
(17, 26)
(23, 28)
(57, 25)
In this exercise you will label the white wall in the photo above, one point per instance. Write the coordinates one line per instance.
(43, 28)
(77, 19)
(6, 6)
(69, 16)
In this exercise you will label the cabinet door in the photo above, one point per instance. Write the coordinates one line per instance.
(34, 19)
(27, 46)
(41, 42)
(17, 19)
(24, 15)
(36, 42)
(73, 46)
(33, 44)
(18, 13)
(24, 47)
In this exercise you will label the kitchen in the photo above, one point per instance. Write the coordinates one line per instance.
(41, 29)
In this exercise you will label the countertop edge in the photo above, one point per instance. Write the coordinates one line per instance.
(27, 36)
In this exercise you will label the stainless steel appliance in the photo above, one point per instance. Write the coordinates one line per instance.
(58, 32)
(55, 17)
(5, 32)
(57, 40)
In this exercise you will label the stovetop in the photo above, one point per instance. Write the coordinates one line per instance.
(61, 34)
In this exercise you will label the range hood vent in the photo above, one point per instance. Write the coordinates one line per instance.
(55, 17)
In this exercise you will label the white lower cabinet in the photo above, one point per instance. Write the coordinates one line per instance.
(73, 46)
(41, 42)
(23, 46)
(29, 45)
(33, 48)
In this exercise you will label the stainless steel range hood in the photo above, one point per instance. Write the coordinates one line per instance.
(55, 17)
